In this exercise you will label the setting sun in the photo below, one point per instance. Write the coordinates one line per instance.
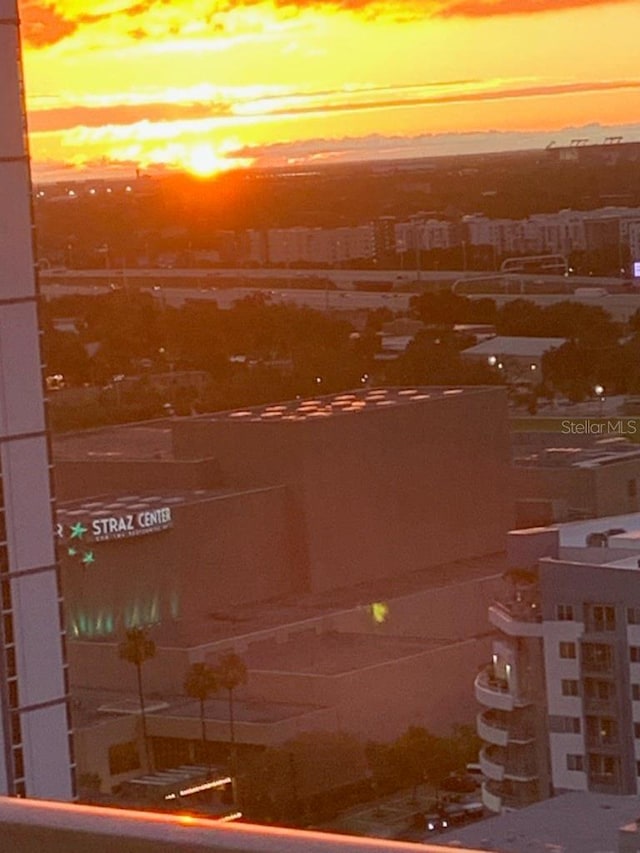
(203, 161)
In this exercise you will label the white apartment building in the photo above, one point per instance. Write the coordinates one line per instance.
(35, 752)
(425, 235)
(561, 696)
(322, 246)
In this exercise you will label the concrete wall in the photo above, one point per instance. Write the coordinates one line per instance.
(379, 492)
(601, 490)
(220, 552)
(85, 478)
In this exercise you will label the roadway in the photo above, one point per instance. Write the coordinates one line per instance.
(321, 300)
(163, 285)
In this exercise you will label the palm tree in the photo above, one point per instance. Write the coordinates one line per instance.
(199, 683)
(136, 649)
(231, 672)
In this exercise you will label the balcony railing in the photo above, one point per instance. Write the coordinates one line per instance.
(516, 618)
(492, 729)
(72, 828)
(498, 796)
(493, 692)
(491, 765)
(597, 705)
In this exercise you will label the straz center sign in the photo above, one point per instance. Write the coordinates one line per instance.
(109, 527)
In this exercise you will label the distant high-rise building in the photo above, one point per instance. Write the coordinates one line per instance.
(35, 759)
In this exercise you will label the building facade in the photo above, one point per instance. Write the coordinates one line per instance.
(34, 725)
(561, 696)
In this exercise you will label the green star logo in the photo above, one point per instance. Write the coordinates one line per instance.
(78, 530)
(72, 551)
(88, 558)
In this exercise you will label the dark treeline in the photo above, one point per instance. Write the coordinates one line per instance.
(259, 352)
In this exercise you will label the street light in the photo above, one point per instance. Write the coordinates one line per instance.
(598, 390)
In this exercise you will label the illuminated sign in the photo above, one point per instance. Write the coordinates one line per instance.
(124, 526)
(636, 269)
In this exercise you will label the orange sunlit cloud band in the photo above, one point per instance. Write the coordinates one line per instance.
(46, 22)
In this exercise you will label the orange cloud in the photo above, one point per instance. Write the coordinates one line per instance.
(46, 22)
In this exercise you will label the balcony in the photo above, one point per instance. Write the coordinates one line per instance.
(501, 728)
(492, 729)
(491, 765)
(598, 705)
(493, 692)
(491, 798)
(504, 796)
(516, 618)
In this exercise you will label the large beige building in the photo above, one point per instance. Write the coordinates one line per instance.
(330, 542)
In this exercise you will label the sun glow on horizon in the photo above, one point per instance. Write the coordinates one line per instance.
(310, 81)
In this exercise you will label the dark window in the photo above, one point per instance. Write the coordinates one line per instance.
(575, 762)
(568, 650)
(569, 687)
(11, 662)
(6, 595)
(16, 729)
(8, 629)
(597, 656)
(635, 692)
(123, 757)
(634, 654)
(597, 689)
(600, 617)
(564, 612)
(633, 615)
(564, 725)
(602, 765)
(602, 730)
(18, 762)
(636, 730)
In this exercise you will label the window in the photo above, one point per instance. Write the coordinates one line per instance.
(597, 656)
(633, 615)
(635, 692)
(634, 654)
(636, 731)
(123, 757)
(602, 765)
(602, 731)
(564, 725)
(575, 762)
(601, 617)
(564, 612)
(570, 687)
(568, 650)
(594, 688)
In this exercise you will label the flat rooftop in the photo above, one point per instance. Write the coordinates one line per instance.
(576, 822)
(574, 534)
(145, 440)
(109, 505)
(348, 402)
(153, 440)
(514, 346)
(93, 706)
(246, 619)
(334, 653)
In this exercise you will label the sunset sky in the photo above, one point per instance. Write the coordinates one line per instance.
(209, 84)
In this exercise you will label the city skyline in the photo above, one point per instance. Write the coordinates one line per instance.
(206, 86)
